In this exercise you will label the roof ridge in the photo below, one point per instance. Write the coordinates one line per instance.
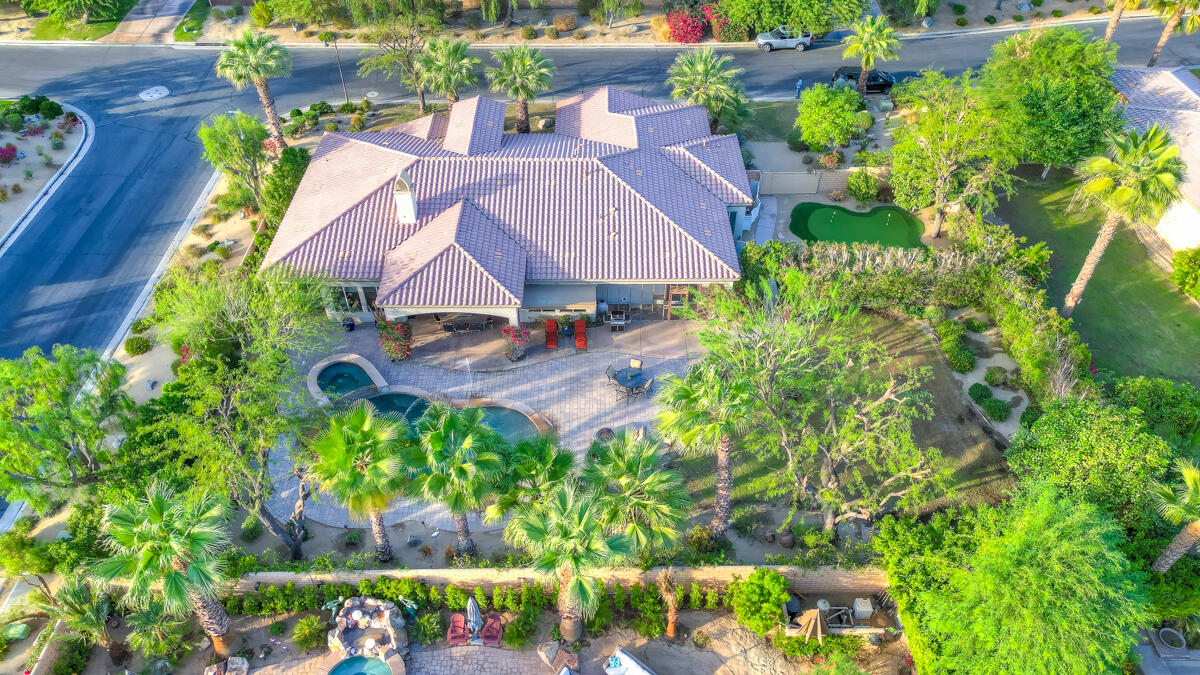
(299, 244)
(462, 215)
(485, 270)
(709, 169)
(358, 139)
(660, 212)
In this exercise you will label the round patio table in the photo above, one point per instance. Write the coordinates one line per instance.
(629, 377)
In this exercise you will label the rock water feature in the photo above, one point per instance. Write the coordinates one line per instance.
(372, 629)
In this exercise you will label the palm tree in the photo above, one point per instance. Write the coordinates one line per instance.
(358, 465)
(873, 40)
(154, 633)
(1179, 506)
(521, 72)
(566, 536)
(445, 66)
(639, 498)
(457, 463)
(1172, 13)
(254, 58)
(1118, 9)
(531, 469)
(670, 595)
(85, 614)
(704, 411)
(1135, 182)
(170, 543)
(702, 77)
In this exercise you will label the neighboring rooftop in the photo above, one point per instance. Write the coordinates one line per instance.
(625, 190)
(1171, 99)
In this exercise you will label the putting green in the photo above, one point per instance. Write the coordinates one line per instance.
(884, 225)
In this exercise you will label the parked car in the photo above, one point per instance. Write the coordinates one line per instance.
(784, 38)
(878, 82)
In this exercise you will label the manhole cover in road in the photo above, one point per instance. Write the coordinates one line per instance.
(154, 93)
(372, 94)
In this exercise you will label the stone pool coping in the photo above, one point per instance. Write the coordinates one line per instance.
(343, 357)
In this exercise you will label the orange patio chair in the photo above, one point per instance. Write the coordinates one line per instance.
(551, 334)
(580, 334)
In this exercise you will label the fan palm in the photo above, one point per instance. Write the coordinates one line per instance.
(358, 465)
(531, 469)
(1179, 505)
(1135, 182)
(873, 40)
(521, 72)
(154, 633)
(1172, 13)
(457, 463)
(254, 58)
(85, 614)
(704, 410)
(639, 498)
(445, 66)
(703, 77)
(170, 543)
(566, 536)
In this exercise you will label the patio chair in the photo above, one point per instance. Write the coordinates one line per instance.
(636, 364)
(612, 377)
(458, 634)
(580, 335)
(643, 389)
(448, 327)
(551, 334)
(492, 630)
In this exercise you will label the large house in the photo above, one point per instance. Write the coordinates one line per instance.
(627, 202)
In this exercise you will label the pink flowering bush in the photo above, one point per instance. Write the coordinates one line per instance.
(516, 335)
(68, 123)
(723, 30)
(396, 339)
(8, 154)
(685, 27)
(830, 160)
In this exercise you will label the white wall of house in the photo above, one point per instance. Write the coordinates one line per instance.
(400, 313)
(1180, 226)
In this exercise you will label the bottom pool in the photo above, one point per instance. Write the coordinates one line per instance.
(513, 425)
(405, 405)
(360, 665)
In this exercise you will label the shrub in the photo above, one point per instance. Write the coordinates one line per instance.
(565, 22)
(435, 597)
(229, 14)
(712, 599)
(695, 597)
(28, 105)
(1165, 405)
(1056, 13)
(1036, 3)
(296, 112)
(979, 392)
(1018, 17)
(49, 110)
(17, 189)
(862, 185)
(528, 33)
(14, 122)
(830, 160)
(960, 21)
(321, 108)
(864, 120)
(996, 409)
(56, 144)
(331, 126)
(519, 631)
(837, 194)
(277, 628)
(758, 601)
(651, 620)
(958, 9)
(596, 16)
(309, 632)
(996, 376)
(72, 658)
(634, 8)
(795, 140)
(252, 528)
(685, 27)
(1185, 270)
(1094, 10)
(357, 122)
(3, 195)
(137, 344)
(746, 519)
(261, 14)
(456, 598)
(976, 325)
(798, 647)
(873, 158)
(238, 9)
(585, 7)
(347, 107)
(341, 18)
(658, 25)
(579, 33)
(552, 32)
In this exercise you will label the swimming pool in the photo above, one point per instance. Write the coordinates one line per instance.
(342, 378)
(405, 405)
(359, 665)
(513, 425)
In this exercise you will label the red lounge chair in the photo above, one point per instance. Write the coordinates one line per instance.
(551, 334)
(457, 634)
(492, 630)
(580, 334)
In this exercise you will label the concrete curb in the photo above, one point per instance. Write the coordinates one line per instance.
(1018, 27)
(48, 190)
(140, 302)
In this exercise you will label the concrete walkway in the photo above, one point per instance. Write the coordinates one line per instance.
(151, 21)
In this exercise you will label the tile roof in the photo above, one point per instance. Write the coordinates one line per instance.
(614, 116)
(1171, 99)
(458, 259)
(580, 208)
(428, 128)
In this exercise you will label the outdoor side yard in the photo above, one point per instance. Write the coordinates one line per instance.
(1134, 319)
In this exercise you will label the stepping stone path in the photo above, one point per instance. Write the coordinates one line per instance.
(989, 353)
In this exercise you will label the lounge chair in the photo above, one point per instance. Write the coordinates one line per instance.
(458, 634)
(551, 334)
(493, 629)
(580, 335)
(636, 364)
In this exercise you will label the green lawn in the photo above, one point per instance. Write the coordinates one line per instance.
(1195, 71)
(772, 120)
(193, 22)
(1132, 317)
(886, 225)
(50, 28)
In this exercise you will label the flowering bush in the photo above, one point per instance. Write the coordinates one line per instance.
(831, 160)
(8, 153)
(33, 129)
(723, 30)
(685, 27)
(69, 122)
(516, 335)
(396, 340)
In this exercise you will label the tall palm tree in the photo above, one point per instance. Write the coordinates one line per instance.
(566, 536)
(1118, 10)
(1135, 182)
(704, 411)
(521, 72)
(457, 463)
(446, 66)
(639, 498)
(358, 465)
(254, 58)
(873, 40)
(531, 469)
(702, 77)
(170, 543)
(1179, 505)
(1172, 13)
(85, 614)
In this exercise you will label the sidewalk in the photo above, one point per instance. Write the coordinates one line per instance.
(150, 22)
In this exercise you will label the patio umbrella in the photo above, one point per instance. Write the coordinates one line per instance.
(474, 619)
(812, 625)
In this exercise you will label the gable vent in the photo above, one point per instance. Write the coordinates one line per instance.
(497, 255)
(702, 206)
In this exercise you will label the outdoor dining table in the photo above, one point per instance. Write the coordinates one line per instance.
(629, 377)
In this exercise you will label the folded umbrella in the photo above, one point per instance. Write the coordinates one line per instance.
(474, 618)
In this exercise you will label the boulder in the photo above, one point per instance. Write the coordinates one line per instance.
(542, 123)
(1024, 6)
(927, 22)
(547, 652)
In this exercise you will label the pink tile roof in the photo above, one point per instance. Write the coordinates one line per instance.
(580, 208)
(614, 116)
(428, 128)
(458, 259)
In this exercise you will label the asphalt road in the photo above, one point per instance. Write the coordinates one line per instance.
(74, 272)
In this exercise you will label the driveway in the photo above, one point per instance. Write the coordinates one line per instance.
(151, 21)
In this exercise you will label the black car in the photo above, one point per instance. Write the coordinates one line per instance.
(878, 82)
